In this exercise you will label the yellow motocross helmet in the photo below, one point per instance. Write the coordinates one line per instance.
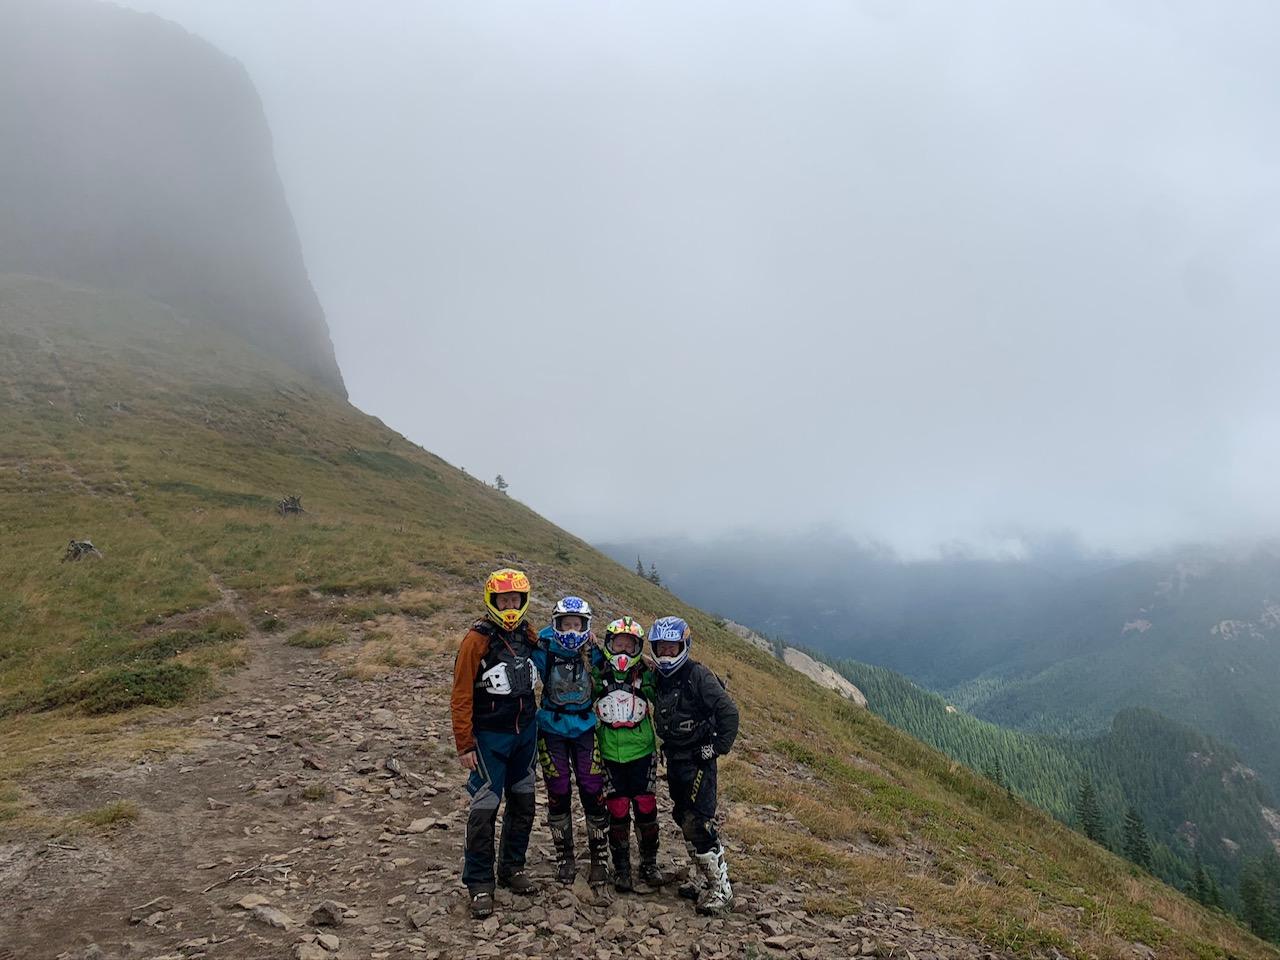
(506, 581)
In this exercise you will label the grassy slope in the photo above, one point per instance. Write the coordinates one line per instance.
(167, 445)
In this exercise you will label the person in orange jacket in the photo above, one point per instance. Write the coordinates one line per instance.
(495, 729)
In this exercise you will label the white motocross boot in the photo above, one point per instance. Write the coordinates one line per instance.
(717, 896)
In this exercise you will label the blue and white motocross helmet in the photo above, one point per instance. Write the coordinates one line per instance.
(670, 629)
(571, 640)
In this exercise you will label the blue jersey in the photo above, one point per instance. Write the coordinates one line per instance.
(556, 665)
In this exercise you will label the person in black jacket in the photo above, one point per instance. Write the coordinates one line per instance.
(698, 722)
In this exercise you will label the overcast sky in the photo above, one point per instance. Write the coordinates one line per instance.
(924, 271)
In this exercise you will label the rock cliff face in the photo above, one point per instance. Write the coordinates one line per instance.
(137, 157)
(819, 673)
(823, 675)
(749, 635)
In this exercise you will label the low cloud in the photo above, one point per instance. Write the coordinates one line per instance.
(918, 272)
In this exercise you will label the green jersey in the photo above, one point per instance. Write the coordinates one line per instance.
(624, 709)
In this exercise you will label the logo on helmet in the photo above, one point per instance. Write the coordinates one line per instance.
(670, 630)
(507, 581)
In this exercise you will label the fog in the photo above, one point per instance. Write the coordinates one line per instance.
(923, 273)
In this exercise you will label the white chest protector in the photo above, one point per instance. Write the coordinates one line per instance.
(503, 680)
(622, 707)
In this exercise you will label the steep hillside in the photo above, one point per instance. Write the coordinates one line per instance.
(137, 157)
(1197, 800)
(329, 636)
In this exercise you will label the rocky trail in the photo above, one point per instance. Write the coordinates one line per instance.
(313, 816)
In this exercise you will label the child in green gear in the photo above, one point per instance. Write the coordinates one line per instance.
(624, 689)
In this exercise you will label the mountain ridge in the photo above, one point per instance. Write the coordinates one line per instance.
(121, 431)
(1058, 646)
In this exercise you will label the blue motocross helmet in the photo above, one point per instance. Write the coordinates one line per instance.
(571, 640)
(670, 629)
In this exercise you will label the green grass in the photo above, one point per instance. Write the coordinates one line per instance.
(121, 811)
(113, 690)
(315, 638)
(218, 498)
(177, 492)
(422, 609)
(358, 612)
(10, 799)
(217, 629)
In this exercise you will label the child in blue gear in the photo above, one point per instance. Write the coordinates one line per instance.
(567, 744)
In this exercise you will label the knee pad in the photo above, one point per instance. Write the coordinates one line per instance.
(558, 803)
(592, 803)
(520, 804)
(646, 805)
(619, 807)
(526, 783)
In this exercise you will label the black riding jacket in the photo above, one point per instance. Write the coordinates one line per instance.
(692, 709)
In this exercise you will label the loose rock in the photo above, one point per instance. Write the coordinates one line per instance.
(273, 917)
(328, 914)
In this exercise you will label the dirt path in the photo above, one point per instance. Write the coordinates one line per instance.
(300, 787)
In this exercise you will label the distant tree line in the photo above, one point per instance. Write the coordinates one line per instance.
(1260, 896)
(1151, 790)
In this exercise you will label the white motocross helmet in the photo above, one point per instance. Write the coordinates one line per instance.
(571, 640)
(674, 630)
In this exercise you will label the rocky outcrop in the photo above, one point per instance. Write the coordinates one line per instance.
(819, 673)
(1272, 820)
(823, 675)
(749, 635)
(138, 157)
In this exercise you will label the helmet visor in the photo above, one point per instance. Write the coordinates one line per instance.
(667, 648)
(623, 643)
(570, 623)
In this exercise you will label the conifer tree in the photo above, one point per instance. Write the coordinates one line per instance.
(1271, 893)
(1260, 896)
(1088, 813)
(653, 576)
(1137, 846)
(1254, 902)
(639, 567)
(1215, 893)
(1200, 888)
(500, 483)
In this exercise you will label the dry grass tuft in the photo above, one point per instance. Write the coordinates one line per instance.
(119, 812)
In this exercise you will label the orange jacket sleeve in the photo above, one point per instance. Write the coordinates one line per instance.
(465, 667)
